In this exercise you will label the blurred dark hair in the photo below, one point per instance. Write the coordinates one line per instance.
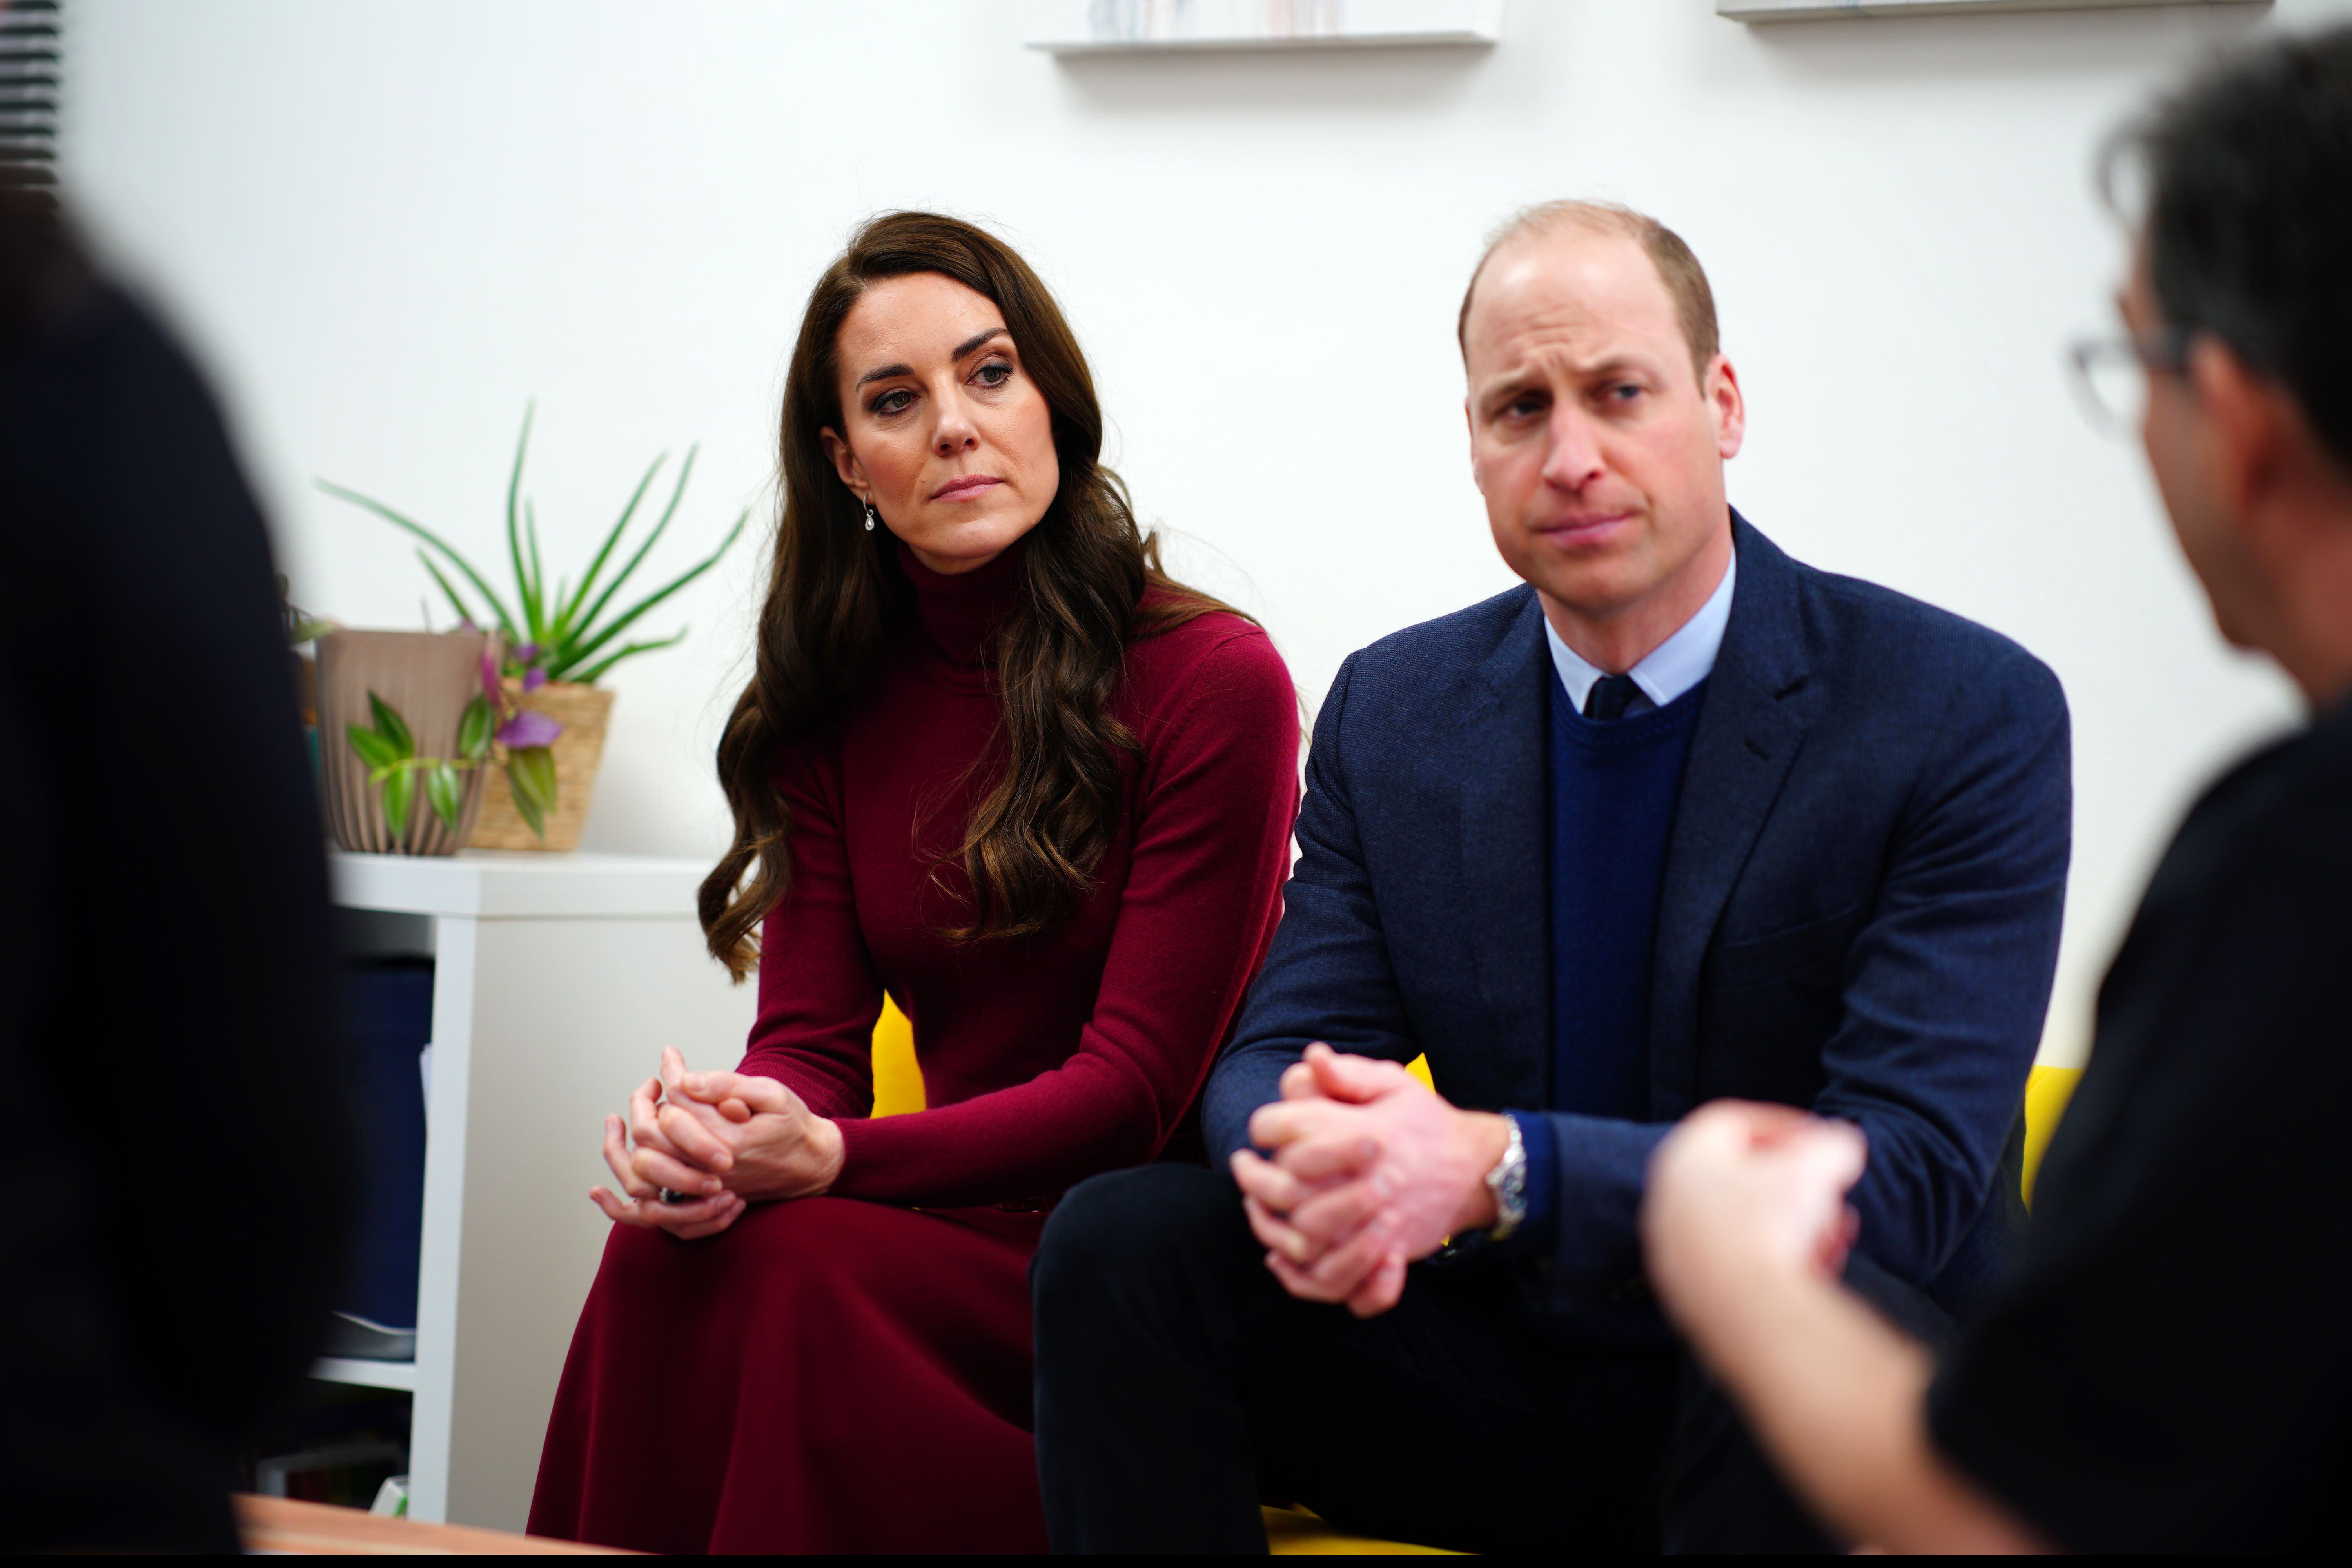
(2249, 214)
(837, 595)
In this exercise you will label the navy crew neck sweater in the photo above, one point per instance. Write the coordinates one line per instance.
(1614, 787)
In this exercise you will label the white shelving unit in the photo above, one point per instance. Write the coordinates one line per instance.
(557, 980)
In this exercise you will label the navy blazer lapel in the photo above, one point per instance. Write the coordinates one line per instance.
(1747, 736)
(1502, 773)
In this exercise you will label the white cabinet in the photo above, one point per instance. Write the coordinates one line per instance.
(557, 980)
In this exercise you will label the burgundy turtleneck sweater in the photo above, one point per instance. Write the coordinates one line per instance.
(1051, 1057)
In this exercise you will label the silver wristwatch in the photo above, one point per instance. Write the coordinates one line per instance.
(1508, 1181)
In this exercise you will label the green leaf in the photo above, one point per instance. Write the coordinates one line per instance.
(580, 653)
(399, 792)
(392, 727)
(455, 603)
(373, 748)
(586, 623)
(475, 729)
(514, 526)
(442, 792)
(571, 606)
(431, 537)
(530, 776)
(538, 601)
(590, 676)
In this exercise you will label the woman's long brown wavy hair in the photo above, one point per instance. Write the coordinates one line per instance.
(837, 595)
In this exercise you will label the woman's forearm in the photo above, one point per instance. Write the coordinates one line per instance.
(1836, 1395)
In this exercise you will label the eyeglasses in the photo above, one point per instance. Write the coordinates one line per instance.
(2111, 374)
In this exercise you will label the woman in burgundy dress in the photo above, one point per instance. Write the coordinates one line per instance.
(993, 763)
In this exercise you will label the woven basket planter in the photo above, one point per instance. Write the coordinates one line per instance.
(584, 711)
(427, 677)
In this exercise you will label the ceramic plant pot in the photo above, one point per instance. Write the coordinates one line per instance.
(584, 711)
(427, 677)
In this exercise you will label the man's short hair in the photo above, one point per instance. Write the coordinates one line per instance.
(1679, 269)
(2249, 215)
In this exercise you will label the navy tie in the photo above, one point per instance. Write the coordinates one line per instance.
(1608, 696)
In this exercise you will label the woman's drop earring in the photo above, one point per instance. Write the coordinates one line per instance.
(869, 517)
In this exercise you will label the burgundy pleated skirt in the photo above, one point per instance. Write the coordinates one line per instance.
(825, 1375)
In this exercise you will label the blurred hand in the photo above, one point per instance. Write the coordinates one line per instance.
(1368, 1170)
(1742, 1195)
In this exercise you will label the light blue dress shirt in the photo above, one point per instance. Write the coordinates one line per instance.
(1671, 668)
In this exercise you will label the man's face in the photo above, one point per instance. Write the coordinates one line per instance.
(1597, 444)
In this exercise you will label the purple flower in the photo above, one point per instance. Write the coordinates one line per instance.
(490, 688)
(527, 729)
(533, 678)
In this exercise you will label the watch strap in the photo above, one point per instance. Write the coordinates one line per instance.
(1508, 1181)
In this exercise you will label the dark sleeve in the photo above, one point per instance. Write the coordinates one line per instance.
(167, 1005)
(1203, 886)
(2170, 1367)
(1947, 984)
(1326, 977)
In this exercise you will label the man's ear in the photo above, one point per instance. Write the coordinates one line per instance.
(844, 462)
(1720, 387)
(2251, 424)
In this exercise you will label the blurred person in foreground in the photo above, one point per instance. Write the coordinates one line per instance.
(2170, 1367)
(167, 1007)
(1678, 817)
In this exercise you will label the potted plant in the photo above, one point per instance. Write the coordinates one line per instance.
(558, 641)
(403, 732)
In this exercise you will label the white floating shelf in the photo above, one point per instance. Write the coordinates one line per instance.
(1164, 26)
(1831, 10)
(365, 1373)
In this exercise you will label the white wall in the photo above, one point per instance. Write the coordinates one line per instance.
(388, 226)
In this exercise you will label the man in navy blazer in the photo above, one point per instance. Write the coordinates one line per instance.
(1681, 819)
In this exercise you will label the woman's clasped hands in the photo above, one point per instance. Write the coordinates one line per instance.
(715, 1141)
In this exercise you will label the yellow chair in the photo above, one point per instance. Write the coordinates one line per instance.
(2046, 1094)
(897, 1079)
(1296, 1532)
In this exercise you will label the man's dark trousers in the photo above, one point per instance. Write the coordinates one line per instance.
(1436, 1421)
(1859, 914)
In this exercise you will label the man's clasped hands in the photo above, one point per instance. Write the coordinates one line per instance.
(716, 1141)
(1365, 1171)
